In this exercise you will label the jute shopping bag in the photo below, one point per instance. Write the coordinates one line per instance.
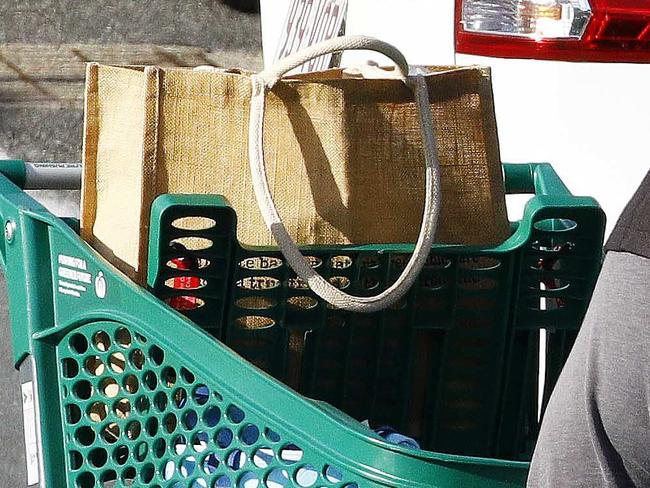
(344, 156)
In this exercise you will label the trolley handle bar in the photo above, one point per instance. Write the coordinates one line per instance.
(533, 178)
(42, 176)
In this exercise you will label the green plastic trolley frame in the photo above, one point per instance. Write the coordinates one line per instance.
(128, 392)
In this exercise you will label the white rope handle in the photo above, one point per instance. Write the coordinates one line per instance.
(287, 246)
(347, 43)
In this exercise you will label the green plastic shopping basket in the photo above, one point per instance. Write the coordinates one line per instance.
(122, 390)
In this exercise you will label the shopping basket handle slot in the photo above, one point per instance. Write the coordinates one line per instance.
(320, 286)
(42, 176)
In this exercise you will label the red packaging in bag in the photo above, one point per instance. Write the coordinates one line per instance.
(184, 302)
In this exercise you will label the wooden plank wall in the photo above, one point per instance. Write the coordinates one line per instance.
(42, 86)
(35, 74)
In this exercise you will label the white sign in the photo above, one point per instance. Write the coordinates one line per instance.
(29, 423)
(74, 279)
(309, 22)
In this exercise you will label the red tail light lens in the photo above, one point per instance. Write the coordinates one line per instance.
(567, 30)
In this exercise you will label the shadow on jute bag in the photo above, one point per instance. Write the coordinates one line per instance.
(344, 156)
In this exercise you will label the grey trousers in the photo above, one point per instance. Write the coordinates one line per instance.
(596, 430)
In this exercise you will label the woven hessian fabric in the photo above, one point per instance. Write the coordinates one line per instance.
(344, 156)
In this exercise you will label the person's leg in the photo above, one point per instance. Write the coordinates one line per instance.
(596, 429)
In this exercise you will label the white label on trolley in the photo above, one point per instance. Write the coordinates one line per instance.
(31, 442)
(73, 276)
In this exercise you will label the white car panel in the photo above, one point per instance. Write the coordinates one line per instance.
(422, 29)
(590, 120)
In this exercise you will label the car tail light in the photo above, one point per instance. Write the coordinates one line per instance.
(569, 30)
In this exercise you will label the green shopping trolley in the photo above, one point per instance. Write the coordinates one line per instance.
(121, 389)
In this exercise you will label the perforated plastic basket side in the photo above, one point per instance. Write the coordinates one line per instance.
(133, 394)
(454, 364)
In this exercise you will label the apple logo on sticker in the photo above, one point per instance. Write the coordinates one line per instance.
(100, 285)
